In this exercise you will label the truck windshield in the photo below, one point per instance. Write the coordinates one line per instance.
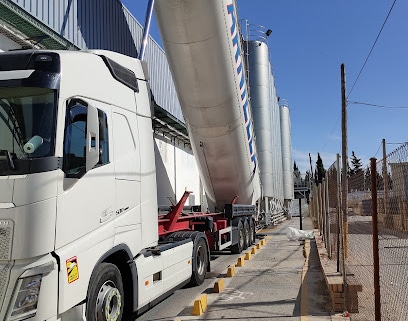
(27, 122)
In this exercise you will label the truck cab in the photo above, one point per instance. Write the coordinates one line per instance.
(75, 191)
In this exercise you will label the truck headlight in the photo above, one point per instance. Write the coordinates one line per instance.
(26, 297)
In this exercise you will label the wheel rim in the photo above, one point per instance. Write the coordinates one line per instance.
(108, 303)
(200, 260)
(241, 238)
(247, 235)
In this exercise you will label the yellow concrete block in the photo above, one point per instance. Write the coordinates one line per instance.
(263, 242)
(247, 255)
(200, 305)
(253, 250)
(240, 261)
(218, 286)
(258, 246)
(231, 271)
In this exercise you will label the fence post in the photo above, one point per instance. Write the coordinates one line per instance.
(319, 202)
(326, 209)
(374, 213)
(312, 207)
(300, 214)
(316, 204)
(323, 192)
(338, 213)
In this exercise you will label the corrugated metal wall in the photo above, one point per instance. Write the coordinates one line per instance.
(96, 24)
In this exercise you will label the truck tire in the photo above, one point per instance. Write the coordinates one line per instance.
(200, 261)
(237, 248)
(105, 294)
(247, 236)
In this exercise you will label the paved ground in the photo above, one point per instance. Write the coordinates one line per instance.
(269, 286)
(277, 283)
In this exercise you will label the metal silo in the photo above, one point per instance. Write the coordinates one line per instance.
(277, 206)
(286, 151)
(259, 71)
(265, 109)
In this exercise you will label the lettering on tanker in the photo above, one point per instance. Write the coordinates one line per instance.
(241, 75)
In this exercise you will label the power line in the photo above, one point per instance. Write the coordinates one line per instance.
(378, 149)
(375, 105)
(372, 48)
(331, 134)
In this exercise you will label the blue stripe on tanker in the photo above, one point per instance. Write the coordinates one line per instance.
(242, 86)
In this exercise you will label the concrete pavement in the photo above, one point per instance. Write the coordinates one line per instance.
(282, 280)
(277, 283)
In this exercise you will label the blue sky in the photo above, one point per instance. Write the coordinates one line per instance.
(310, 40)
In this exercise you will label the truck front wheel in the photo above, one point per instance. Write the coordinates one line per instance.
(105, 294)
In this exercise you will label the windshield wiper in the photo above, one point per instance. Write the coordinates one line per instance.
(10, 161)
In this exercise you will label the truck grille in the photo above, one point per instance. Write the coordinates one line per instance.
(6, 237)
(4, 275)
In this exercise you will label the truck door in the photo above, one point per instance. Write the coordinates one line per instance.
(87, 200)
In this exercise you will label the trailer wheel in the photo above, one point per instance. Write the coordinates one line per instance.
(105, 294)
(237, 248)
(200, 262)
(247, 235)
(252, 231)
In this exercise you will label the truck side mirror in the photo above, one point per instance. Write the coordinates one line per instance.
(92, 138)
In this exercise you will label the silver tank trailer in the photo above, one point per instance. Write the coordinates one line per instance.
(203, 47)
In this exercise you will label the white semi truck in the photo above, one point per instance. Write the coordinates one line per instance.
(80, 233)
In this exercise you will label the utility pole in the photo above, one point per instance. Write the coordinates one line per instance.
(344, 182)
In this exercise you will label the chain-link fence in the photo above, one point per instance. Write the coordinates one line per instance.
(369, 245)
(391, 175)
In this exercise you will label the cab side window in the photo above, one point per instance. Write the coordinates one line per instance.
(74, 163)
(103, 138)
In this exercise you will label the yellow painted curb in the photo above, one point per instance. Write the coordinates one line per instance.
(231, 271)
(200, 305)
(253, 250)
(240, 261)
(218, 286)
(247, 255)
